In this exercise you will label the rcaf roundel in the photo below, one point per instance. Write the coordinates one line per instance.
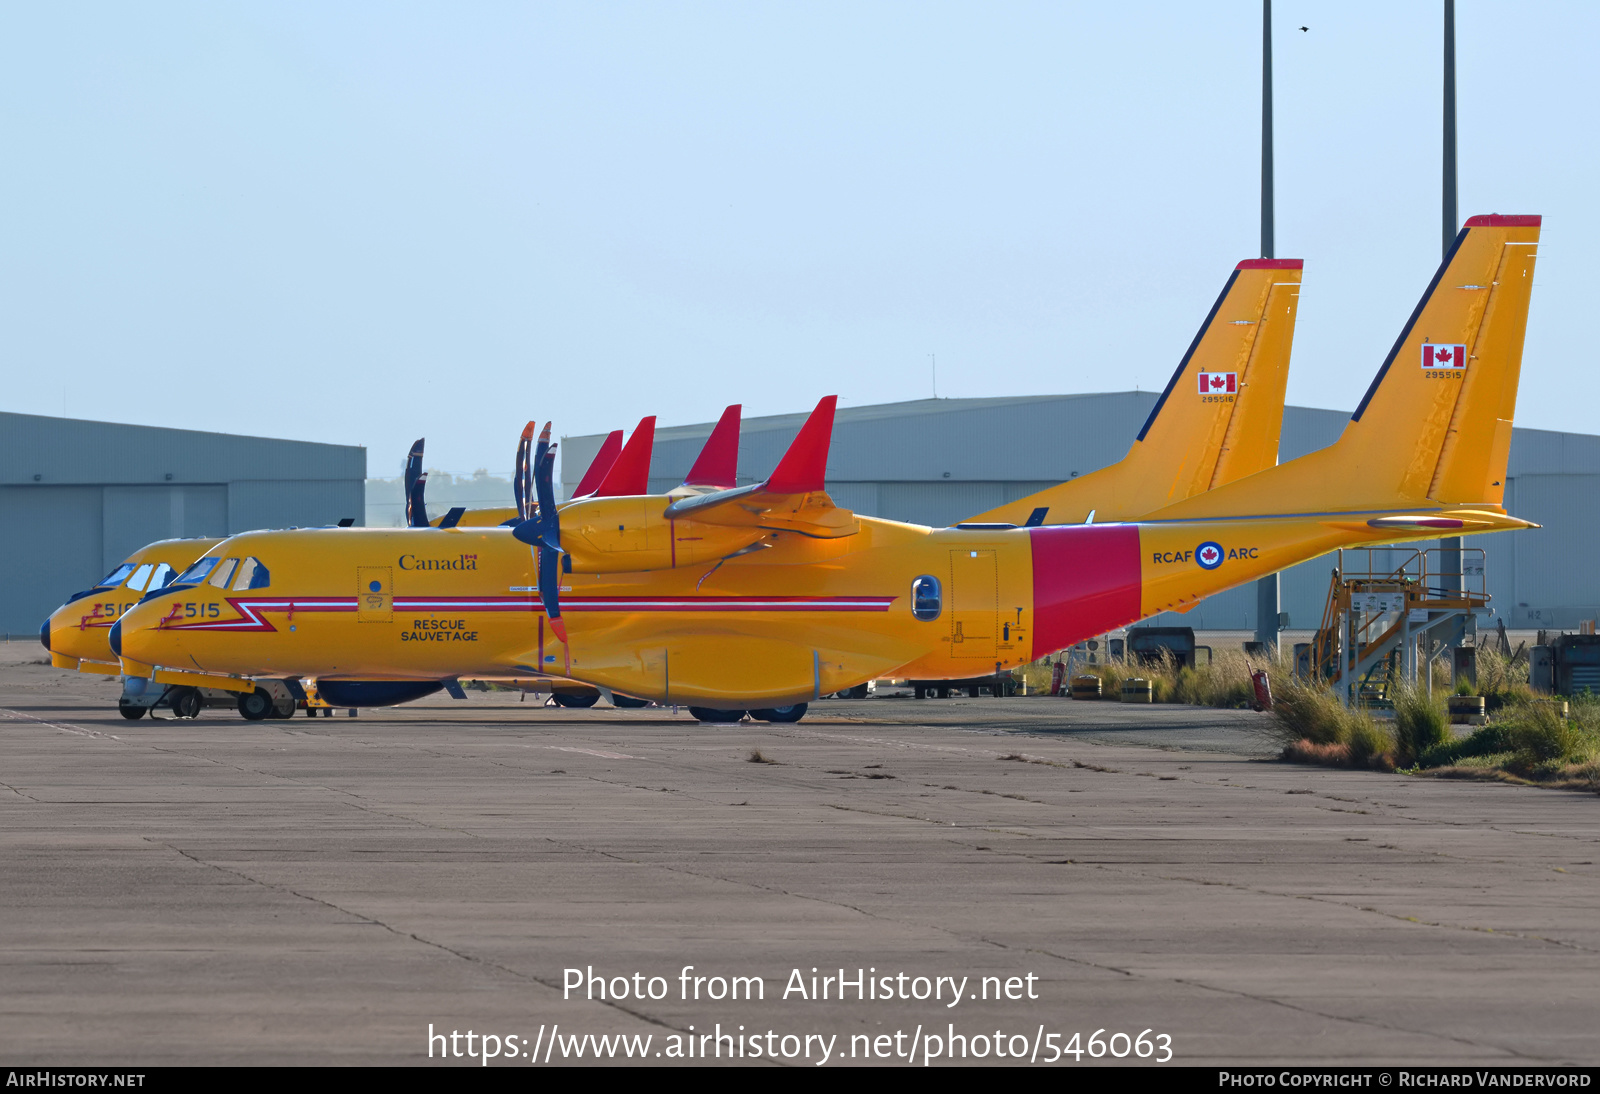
(1443, 356)
(1219, 383)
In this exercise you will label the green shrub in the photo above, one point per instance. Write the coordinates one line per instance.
(1420, 723)
(1540, 733)
(1502, 683)
(1316, 728)
(1307, 711)
(1485, 741)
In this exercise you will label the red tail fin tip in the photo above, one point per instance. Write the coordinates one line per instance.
(805, 466)
(630, 474)
(718, 464)
(601, 463)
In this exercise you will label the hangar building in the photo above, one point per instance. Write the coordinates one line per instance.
(939, 461)
(77, 497)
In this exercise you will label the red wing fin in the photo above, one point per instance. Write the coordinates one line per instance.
(805, 466)
(718, 464)
(602, 462)
(630, 474)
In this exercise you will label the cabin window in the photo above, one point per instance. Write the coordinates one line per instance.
(115, 577)
(925, 598)
(252, 575)
(140, 576)
(197, 573)
(159, 579)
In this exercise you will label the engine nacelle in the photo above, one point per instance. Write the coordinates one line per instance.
(626, 534)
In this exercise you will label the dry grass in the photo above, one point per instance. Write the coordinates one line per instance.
(1224, 682)
(1421, 722)
(1316, 728)
(1501, 682)
(1528, 740)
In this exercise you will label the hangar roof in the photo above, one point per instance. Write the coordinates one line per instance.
(1018, 438)
(71, 450)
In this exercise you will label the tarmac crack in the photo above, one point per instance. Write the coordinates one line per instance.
(484, 962)
(23, 794)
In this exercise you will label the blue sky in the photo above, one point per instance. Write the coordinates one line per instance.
(361, 223)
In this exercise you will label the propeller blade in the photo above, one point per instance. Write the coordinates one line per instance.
(413, 464)
(544, 484)
(550, 589)
(412, 480)
(416, 510)
(519, 476)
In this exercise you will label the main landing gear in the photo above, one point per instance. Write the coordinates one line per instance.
(792, 713)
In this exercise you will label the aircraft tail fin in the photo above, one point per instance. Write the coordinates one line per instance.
(1435, 424)
(603, 459)
(1218, 419)
(804, 466)
(718, 463)
(630, 474)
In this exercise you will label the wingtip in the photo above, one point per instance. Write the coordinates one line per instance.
(527, 431)
(1272, 264)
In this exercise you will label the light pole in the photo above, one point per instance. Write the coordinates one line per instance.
(1267, 587)
(1450, 546)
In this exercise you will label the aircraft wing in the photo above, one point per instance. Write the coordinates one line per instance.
(792, 499)
(808, 512)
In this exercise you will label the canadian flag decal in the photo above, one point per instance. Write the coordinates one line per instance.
(1219, 383)
(1444, 356)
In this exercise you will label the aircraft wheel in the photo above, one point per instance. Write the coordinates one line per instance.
(284, 709)
(186, 702)
(943, 693)
(129, 710)
(564, 699)
(255, 705)
(919, 693)
(780, 714)
(628, 702)
(707, 714)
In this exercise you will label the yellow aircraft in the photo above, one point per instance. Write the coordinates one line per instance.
(632, 478)
(763, 597)
(76, 634)
(1218, 420)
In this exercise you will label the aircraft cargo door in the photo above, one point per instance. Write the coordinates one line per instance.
(975, 604)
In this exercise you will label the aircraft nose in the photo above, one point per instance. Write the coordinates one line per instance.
(44, 634)
(116, 638)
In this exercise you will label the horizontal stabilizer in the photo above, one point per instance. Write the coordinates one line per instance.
(718, 464)
(630, 474)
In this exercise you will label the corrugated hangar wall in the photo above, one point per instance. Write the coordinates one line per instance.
(77, 497)
(940, 461)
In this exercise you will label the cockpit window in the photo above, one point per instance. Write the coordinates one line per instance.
(115, 577)
(220, 576)
(252, 575)
(159, 579)
(926, 601)
(140, 576)
(197, 573)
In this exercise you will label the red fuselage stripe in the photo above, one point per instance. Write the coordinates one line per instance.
(1086, 581)
(253, 621)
